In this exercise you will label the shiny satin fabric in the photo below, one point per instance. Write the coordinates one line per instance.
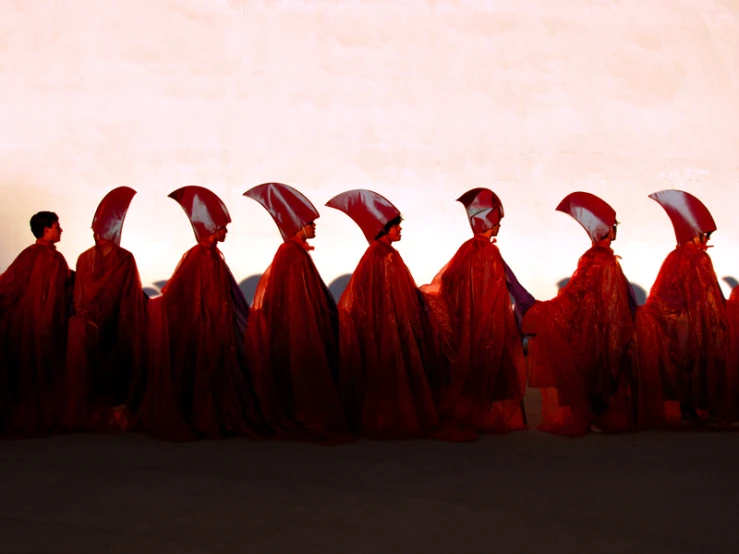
(683, 335)
(107, 350)
(369, 210)
(289, 208)
(35, 294)
(385, 350)
(486, 380)
(689, 216)
(293, 351)
(207, 213)
(584, 353)
(111, 212)
(594, 214)
(198, 386)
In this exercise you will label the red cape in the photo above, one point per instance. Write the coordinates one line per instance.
(34, 306)
(683, 337)
(106, 347)
(487, 374)
(584, 353)
(732, 357)
(292, 347)
(384, 349)
(197, 385)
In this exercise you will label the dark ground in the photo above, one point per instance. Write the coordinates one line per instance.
(524, 492)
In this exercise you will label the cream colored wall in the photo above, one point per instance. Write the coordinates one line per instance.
(417, 100)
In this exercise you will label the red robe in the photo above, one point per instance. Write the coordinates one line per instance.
(292, 347)
(732, 357)
(583, 355)
(198, 384)
(487, 374)
(106, 347)
(34, 307)
(683, 340)
(385, 349)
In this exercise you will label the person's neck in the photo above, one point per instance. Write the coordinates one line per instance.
(45, 242)
(385, 239)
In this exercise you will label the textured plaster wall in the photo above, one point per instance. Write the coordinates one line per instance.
(418, 100)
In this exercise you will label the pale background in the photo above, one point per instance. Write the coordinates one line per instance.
(417, 100)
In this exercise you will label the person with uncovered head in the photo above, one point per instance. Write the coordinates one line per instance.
(34, 307)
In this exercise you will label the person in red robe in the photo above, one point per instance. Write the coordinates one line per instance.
(487, 374)
(385, 343)
(34, 308)
(292, 334)
(198, 385)
(106, 346)
(683, 330)
(583, 353)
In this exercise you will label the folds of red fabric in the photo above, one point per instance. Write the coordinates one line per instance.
(107, 351)
(683, 340)
(198, 386)
(34, 306)
(732, 357)
(384, 351)
(292, 348)
(583, 355)
(486, 379)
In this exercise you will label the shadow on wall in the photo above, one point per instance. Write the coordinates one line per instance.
(639, 293)
(338, 285)
(249, 286)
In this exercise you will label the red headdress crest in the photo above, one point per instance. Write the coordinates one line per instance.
(484, 209)
(111, 212)
(369, 210)
(290, 209)
(207, 212)
(689, 216)
(593, 213)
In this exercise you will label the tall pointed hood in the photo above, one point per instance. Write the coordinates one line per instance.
(593, 213)
(207, 212)
(111, 212)
(369, 210)
(290, 209)
(689, 216)
(484, 209)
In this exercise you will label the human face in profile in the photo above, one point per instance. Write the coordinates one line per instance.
(221, 234)
(393, 234)
(53, 234)
(309, 231)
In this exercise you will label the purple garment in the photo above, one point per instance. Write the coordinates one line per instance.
(522, 299)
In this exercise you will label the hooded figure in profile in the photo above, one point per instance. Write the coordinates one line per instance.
(198, 385)
(292, 335)
(683, 330)
(583, 355)
(107, 353)
(386, 349)
(487, 375)
(35, 293)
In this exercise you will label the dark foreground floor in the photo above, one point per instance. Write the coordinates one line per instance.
(525, 492)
